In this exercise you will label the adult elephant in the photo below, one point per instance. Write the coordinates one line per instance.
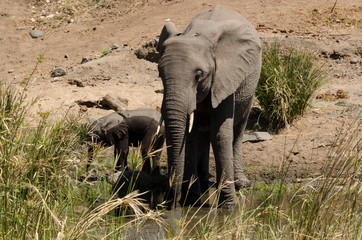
(209, 73)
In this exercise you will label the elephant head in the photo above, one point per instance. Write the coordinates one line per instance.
(208, 61)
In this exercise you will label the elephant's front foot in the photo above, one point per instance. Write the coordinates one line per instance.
(242, 182)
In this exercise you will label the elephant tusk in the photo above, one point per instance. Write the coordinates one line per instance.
(191, 121)
(159, 125)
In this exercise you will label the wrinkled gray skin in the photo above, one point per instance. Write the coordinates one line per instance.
(212, 69)
(130, 128)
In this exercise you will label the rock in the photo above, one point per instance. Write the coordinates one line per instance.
(249, 138)
(123, 100)
(340, 94)
(83, 108)
(357, 113)
(84, 60)
(344, 50)
(113, 177)
(334, 115)
(77, 82)
(57, 79)
(20, 28)
(354, 61)
(115, 46)
(36, 33)
(87, 103)
(325, 50)
(10, 70)
(263, 136)
(148, 51)
(257, 137)
(344, 104)
(59, 71)
(126, 47)
(112, 102)
(159, 91)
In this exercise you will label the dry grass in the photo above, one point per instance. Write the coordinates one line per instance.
(287, 83)
(40, 196)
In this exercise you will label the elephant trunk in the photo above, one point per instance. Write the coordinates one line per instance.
(175, 114)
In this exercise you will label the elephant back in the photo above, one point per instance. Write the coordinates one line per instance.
(220, 13)
(143, 112)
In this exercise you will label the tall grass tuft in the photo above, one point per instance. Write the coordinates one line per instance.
(40, 164)
(287, 82)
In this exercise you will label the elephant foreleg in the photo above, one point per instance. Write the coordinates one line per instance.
(221, 134)
(120, 153)
(203, 152)
(190, 191)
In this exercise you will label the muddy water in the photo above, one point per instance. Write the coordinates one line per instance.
(185, 220)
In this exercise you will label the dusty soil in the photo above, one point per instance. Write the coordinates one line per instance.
(71, 34)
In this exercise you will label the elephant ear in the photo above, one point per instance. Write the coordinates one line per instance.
(237, 54)
(168, 30)
(116, 133)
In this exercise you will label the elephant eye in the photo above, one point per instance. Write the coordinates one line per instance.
(198, 75)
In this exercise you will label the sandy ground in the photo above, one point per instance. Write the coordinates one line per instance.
(69, 38)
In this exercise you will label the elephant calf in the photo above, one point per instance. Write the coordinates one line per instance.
(130, 128)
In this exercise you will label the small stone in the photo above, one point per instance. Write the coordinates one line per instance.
(263, 136)
(57, 79)
(341, 94)
(76, 82)
(357, 113)
(20, 28)
(115, 46)
(84, 60)
(159, 91)
(257, 137)
(354, 61)
(338, 61)
(344, 104)
(59, 71)
(36, 33)
(83, 108)
(10, 70)
(334, 115)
